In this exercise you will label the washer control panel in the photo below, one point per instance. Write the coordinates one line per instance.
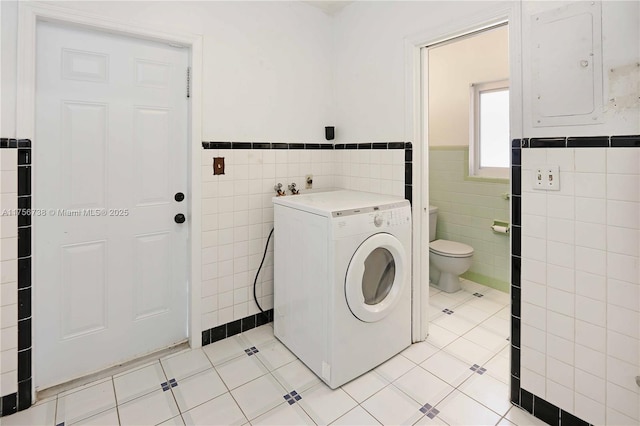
(379, 218)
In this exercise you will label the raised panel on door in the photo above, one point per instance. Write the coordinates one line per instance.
(83, 155)
(153, 275)
(85, 66)
(152, 139)
(83, 299)
(152, 74)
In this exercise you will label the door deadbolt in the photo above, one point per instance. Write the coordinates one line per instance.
(179, 218)
(179, 196)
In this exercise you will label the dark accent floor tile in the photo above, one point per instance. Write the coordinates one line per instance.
(351, 146)
(326, 146)
(408, 155)
(339, 146)
(516, 143)
(296, 146)
(397, 145)
(311, 146)
(206, 337)
(24, 143)
(205, 145)
(379, 145)
(364, 146)
(408, 145)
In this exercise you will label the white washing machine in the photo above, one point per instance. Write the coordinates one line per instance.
(342, 288)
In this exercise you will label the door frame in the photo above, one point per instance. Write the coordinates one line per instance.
(29, 15)
(416, 129)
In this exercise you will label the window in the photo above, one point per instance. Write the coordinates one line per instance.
(489, 146)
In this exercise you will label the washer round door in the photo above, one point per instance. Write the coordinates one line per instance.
(376, 277)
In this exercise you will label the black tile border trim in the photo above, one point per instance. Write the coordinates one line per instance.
(21, 400)
(284, 145)
(539, 407)
(232, 328)
(623, 141)
(407, 146)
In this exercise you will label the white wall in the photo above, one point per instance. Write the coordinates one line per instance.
(267, 65)
(370, 62)
(453, 67)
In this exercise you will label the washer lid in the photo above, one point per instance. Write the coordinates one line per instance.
(450, 248)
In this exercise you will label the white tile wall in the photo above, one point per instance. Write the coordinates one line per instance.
(585, 306)
(8, 272)
(237, 214)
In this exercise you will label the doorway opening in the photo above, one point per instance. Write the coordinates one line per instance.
(467, 135)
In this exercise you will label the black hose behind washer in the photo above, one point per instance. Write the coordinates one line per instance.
(255, 281)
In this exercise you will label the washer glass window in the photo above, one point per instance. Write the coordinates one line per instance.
(379, 273)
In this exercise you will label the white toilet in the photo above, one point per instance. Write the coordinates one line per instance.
(447, 259)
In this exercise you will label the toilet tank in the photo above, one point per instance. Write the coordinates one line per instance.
(433, 220)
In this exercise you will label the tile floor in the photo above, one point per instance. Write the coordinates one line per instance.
(459, 376)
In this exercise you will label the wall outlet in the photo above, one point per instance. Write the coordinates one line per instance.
(308, 182)
(546, 178)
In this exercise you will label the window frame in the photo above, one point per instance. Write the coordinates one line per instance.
(476, 89)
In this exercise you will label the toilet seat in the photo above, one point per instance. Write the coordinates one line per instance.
(450, 248)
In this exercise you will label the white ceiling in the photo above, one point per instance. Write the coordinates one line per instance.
(330, 7)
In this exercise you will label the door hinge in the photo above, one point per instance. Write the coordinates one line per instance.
(188, 82)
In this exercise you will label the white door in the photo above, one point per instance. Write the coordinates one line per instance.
(110, 153)
(376, 277)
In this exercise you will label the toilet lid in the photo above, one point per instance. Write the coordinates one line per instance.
(450, 248)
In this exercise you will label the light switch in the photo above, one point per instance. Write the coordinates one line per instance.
(546, 178)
